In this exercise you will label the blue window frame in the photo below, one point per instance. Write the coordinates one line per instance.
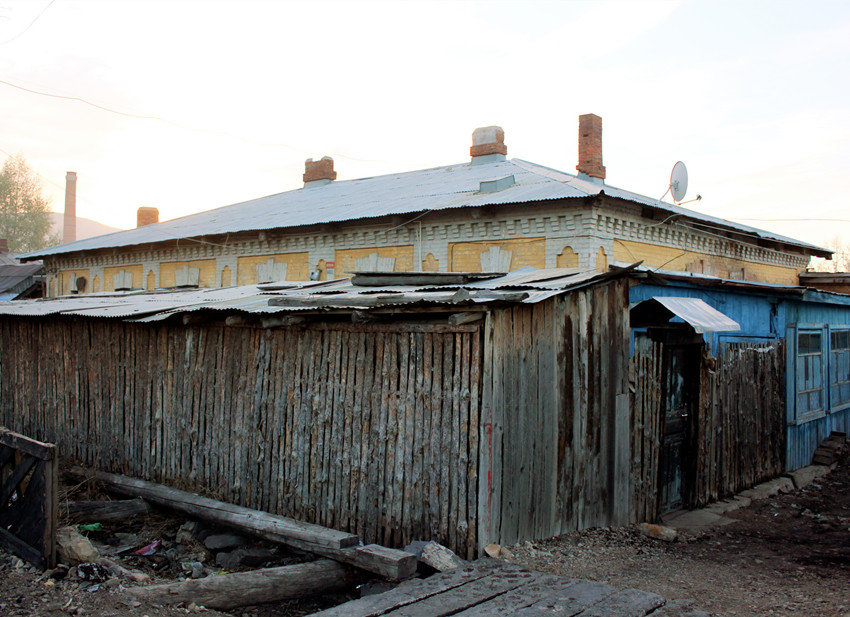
(839, 368)
(809, 363)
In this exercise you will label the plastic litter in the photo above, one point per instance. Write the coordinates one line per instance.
(148, 550)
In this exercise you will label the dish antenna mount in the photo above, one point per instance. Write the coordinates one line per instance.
(678, 186)
(679, 181)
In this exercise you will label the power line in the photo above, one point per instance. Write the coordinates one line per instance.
(32, 23)
(794, 220)
(177, 124)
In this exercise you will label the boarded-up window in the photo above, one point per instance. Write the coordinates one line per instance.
(810, 402)
(122, 280)
(187, 277)
(271, 272)
(496, 259)
(375, 263)
(839, 368)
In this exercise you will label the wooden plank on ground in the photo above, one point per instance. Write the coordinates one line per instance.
(542, 587)
(625, 603)
(254, 587)
(471, 594)
(570, 601)
(261, 523)
(405, 594)
(337, 545)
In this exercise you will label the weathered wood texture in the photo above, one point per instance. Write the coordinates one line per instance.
(738, 431)
(28, 485)
(104, 511)
(355, 427)
(646, 427)
(228, 591)
(554, 454)
(740, 436)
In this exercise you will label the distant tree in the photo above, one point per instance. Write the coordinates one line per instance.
(840, 261)
(24, 211)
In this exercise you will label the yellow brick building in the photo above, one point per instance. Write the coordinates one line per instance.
(490, 213)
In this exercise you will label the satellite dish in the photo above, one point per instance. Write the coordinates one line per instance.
(679, 181)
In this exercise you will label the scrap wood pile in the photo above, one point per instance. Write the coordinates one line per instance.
(223, 557)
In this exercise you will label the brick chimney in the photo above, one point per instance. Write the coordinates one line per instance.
(319, 173)
(146, 216)
(69, 226)
(590, 146)
(488, 145)
(4, 245)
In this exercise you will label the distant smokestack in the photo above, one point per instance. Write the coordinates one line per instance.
(590, 146)
(69, 229)
(146, 216)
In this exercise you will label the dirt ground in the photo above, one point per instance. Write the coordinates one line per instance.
(786, 555)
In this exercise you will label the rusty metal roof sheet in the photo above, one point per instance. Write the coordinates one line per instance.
(439, 188)
(526, 285)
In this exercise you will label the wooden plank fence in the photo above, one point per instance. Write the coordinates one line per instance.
(738, 439)
(28, 484)
(366, 428)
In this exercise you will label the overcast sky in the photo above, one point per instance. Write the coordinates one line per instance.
(753, 96)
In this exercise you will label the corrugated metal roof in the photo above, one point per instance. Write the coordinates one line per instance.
(440, 188)
(526, 285)
(701, 316)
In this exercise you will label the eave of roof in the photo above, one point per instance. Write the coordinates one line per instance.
(408, 193)
(527, 285)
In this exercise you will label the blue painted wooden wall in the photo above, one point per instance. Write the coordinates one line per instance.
(771, 313)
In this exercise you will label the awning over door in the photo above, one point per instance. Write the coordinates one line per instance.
(702, 317)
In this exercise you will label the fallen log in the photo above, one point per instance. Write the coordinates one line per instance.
(228, 591)
(253, 521)
(389, 563)
(104, 511)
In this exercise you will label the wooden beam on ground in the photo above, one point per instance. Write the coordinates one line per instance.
(228, 591)
(256, 522)
(105, 511)
(337, 545)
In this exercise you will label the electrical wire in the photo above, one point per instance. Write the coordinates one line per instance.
(179, 125)
(32, 23)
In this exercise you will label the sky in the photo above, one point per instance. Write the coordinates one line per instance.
(188, 105)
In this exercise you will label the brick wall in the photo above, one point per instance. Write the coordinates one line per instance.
(345, 259)
(297, 267)
(168, 270)
(109, 276)
(668, 258)
(466, 256)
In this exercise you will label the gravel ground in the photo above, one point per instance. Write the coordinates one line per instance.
(786, 555)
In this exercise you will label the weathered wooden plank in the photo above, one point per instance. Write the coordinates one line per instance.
(435, 458)
(105, 511)
(473, 476)
(471, 594)
(260, 523)
(446, 438)
(254, 587)
(37, 449)
(625, 603)
(542, 587)
(405, 594)
(570, 601)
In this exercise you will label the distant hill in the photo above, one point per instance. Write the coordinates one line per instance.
(86, 228)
